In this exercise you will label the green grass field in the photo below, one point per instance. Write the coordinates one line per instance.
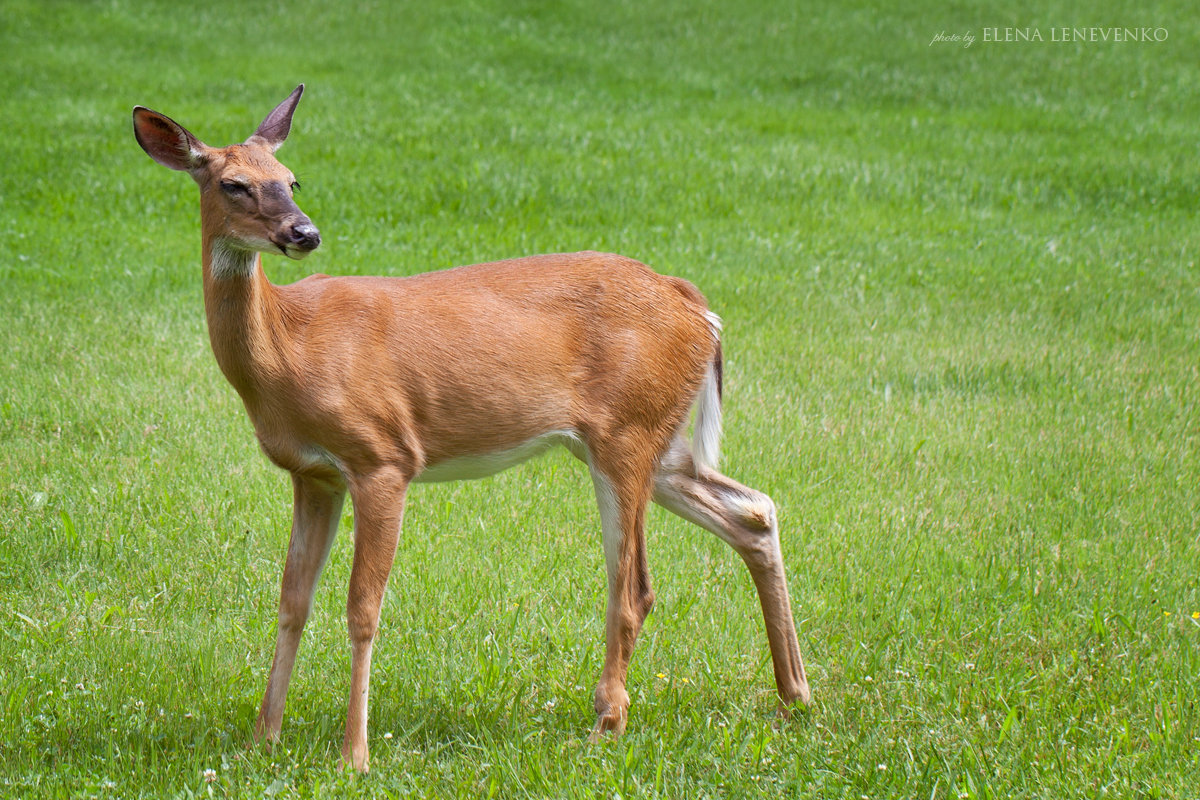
(960, 295)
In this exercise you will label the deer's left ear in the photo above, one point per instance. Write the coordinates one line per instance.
(274, 129)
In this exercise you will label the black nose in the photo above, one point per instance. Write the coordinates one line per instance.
(305, 235)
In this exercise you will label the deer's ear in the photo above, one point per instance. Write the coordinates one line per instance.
(166, 141)
(274, 129)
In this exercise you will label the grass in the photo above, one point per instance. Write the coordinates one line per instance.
(960, 295)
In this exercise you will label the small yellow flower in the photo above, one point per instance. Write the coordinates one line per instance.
(685, 680)
(1166, 613)
(1196, 615)
(661, 675)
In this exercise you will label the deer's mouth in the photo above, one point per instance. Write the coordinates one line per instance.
(299, 240)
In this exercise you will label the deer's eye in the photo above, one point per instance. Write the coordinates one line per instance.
(235, 189)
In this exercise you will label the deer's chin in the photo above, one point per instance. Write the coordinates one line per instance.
(292, 250)
(296, 253)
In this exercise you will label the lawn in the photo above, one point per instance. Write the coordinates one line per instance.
(961, 309)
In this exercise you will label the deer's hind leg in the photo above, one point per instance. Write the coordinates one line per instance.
(622, 493)
(745, 519)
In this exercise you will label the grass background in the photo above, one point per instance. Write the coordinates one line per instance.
(960, 295)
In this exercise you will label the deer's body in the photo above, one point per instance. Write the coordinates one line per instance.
(536, 333)
(365, 385)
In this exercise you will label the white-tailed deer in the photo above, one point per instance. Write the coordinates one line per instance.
(369, 384)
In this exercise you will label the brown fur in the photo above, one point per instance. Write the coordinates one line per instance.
(361, 385)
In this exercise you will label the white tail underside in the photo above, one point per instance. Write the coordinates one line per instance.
(706, 430)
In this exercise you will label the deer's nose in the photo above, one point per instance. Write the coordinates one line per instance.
(305, 235)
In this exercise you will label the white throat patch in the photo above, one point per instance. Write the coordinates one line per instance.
(231, 262)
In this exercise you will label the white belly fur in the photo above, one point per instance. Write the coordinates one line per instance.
(480, 466)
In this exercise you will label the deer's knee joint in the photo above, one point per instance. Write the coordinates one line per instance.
(362, 623)
(753, 511)
(292, 616)
(756, 528)
(760, 517)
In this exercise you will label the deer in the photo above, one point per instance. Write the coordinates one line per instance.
(366, 385)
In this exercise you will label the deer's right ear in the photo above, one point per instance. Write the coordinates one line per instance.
(166, 141)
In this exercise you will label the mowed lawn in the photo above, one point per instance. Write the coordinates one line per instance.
(961, 308)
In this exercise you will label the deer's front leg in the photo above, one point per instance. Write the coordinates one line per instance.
(315, 515)
(378, 510)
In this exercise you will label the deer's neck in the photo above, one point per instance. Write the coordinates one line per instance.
(245, 323)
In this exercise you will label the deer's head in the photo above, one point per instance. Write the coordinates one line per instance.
(246, 196)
